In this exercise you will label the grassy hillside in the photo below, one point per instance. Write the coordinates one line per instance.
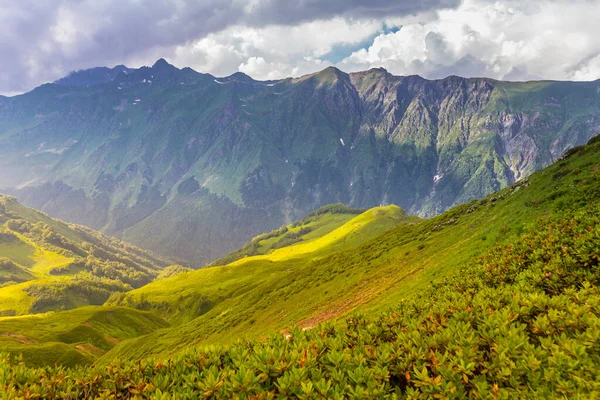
(266, 293)
(74, 337)
(520, 319)
(314, 225)
(48, 265)
(218, 299)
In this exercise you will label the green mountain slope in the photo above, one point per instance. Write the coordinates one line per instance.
(216, 161)
(514, 313)
(216, 300)
(49, 265)
(264, 293)
(75, 337)
(314, 225)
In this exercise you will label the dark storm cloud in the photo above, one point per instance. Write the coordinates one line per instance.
(41, 40)
(293, 11)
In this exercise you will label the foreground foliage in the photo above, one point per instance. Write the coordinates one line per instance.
(523, 320)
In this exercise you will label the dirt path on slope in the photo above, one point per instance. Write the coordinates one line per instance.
(363, 295)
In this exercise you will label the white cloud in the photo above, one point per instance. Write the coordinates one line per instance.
(403, 47)
(258, 68)
(273, 52)
(548, 39)
(504, 40)
(588, 71)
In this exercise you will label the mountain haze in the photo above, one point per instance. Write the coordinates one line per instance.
(192, 166)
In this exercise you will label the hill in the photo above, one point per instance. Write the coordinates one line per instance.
(216, 161)
(75, 337)
(46, 264)
(216, 300)
(513, 313)
(314, 225)
(265, 293)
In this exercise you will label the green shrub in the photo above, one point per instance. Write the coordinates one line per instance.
(68, 294)
(291, 238)
(7, 237)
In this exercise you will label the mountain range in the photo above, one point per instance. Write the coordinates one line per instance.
(192, 166)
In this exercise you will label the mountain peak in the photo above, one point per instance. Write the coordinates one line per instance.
(241, 77)
(378, 71)
(328, 75)
(331, 70)
(162, 64)
(373, 73)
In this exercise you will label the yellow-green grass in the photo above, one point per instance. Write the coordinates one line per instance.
(319, 227)
(73, 337)
(46, 260)
(185, 296)
(13, 299)
(267, 293)
(315, 225)
(247, 297)
(354, 231)
(28, 254)
(19, 252)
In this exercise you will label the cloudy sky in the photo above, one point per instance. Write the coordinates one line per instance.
(43, 40)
